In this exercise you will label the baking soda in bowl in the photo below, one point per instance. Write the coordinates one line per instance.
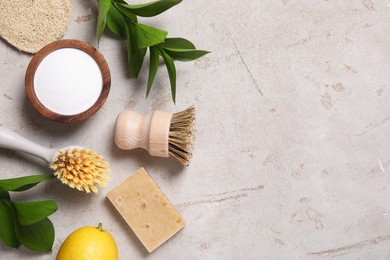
(68, 81)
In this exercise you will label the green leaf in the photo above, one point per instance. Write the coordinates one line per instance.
(116, 22)
(104, 7)
(4, 195)
(135, 56)
(33, 211)
(171, 72)
(152, 8)
(37, 237)
(153, 66)
(177, 43)
(148, 36)
(125, 12)
(23, 183)
(7, 224)
(185, 55)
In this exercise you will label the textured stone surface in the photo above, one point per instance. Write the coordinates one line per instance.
(292, 156)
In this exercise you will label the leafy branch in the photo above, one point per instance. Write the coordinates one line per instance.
(121, 19)
(26, 223)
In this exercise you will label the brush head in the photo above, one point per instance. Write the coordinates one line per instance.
(162, 134)
(80, 168)
(182, 135)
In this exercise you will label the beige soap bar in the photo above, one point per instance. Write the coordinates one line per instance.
(146, 209)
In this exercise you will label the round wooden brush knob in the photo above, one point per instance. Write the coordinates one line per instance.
(133, 130)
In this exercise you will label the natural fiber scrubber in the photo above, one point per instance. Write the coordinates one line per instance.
(163, 134)
(30, 25)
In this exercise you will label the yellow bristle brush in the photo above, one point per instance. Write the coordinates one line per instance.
(161, 134)
(74, 166)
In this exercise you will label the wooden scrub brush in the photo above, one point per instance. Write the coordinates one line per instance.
(76, 167)
(161, 134)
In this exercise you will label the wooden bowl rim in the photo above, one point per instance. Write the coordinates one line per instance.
(46, 50)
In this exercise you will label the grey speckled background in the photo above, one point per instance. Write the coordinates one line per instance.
(292, 158)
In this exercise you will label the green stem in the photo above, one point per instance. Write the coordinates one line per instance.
(100, 227)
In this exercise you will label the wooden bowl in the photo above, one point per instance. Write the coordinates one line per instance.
(41, 55)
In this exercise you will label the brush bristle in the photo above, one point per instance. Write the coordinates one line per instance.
(82, 169)
(182, 135)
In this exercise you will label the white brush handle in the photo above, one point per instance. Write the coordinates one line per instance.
(14, 141)
(133, 130)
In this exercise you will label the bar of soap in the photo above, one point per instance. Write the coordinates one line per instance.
(146, 209)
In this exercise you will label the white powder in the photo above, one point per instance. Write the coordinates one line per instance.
(68, 81)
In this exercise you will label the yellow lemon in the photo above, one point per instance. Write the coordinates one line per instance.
(88, 243)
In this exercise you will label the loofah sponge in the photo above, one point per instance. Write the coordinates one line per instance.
(30, 25)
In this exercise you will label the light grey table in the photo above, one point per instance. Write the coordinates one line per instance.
(292, 157)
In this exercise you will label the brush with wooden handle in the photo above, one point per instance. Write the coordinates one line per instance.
(74, 166)
(162, 134)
